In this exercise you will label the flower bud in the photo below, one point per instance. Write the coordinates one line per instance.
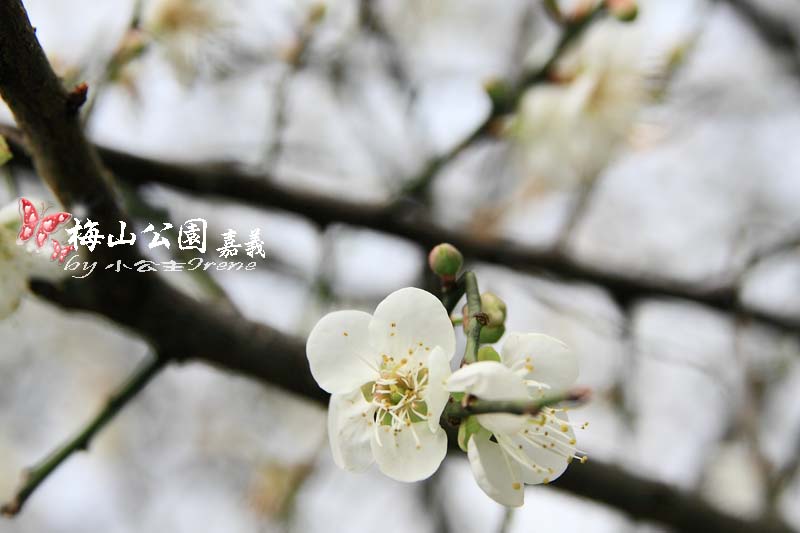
(491, 334)
(487, 353)
(623, 10)
(495, 309)
(445, 261)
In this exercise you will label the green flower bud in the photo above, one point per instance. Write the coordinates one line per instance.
(445, 261)
(491, 334)
(623, 10)
(487, 353)
(495, 309)
(500, 92)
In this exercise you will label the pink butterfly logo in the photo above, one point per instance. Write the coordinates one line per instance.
(60, 252)
(34, 224)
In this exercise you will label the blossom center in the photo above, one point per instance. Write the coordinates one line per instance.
(398, 395)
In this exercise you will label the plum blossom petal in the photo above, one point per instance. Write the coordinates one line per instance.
(488, 380)
(410, 454)
(435, 395)
(411, 321)
(339, 353)
(503, 422)
(350, 420)
(542, 359)
(499, 477)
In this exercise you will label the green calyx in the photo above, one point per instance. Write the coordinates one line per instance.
(487, 353)
(468, 427)
(366, 391)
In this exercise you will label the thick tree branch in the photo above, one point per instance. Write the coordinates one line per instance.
(36, 475)
(226, 181)
(653, 501)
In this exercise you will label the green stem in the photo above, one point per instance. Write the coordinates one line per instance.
(572, 30)
(474, 316)
(476, 406)
(36, 475)
(452, 294)
(419, 184)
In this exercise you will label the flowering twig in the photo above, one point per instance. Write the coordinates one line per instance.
(503, 102)
(476, 406)
(36, 475)
(476, 318)
(295, 59)
(121, 57)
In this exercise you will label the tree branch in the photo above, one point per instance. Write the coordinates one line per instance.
(36, 475)
(653, 501)
(476, 406)
(774, 31)
(226, 181)
(504, 101)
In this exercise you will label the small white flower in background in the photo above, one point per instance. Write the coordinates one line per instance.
(386, 373)
(196, 35)
(18, 263)
(507, 451)
(568, 131)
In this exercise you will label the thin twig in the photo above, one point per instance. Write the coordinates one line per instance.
(476, 406)
(507, 519)
(476, 318)
(36, 475)
(295, 61)
(503, 103)
(775, 31)
(118, 60)
(451, 294)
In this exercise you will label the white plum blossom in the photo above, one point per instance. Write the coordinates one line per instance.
(567, 131)
(386, 373)
(508, 451)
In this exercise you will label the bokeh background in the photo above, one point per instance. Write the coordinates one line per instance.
(663, 149)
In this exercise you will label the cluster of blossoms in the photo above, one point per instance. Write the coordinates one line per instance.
(390, 379)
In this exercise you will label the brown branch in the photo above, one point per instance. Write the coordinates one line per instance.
(774, 31)
(226, 181)
(179, 327)
(653, 501)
